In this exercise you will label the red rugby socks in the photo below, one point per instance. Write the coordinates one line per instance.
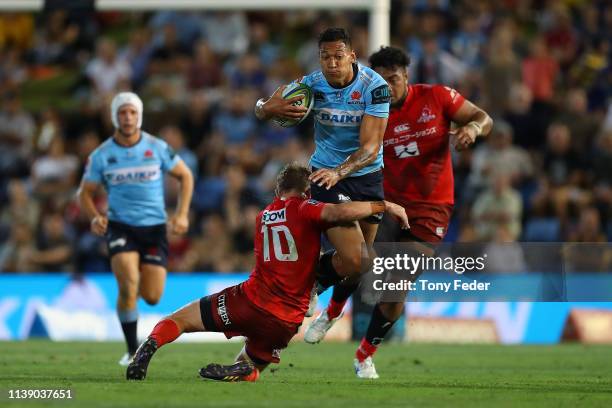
(335, 308)
(365, 350)
(166, 331)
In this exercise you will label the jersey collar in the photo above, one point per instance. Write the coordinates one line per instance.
(142, 135)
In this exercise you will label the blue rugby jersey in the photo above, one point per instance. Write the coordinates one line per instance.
(133, 178)
(338, 114)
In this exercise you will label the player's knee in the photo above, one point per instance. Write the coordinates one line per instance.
(128, 292)
(352, 264)
(152, 298)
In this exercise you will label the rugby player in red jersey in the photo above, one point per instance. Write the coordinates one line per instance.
(269, 307)
(418, 172)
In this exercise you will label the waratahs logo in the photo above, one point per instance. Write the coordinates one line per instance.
(336, 117)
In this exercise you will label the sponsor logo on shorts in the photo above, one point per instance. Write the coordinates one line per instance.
(342, 197)
(222, 310)
(117, 242)
(440, 231)
(276, 353)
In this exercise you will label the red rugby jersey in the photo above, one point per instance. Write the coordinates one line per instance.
(287, 244)
(418, 165)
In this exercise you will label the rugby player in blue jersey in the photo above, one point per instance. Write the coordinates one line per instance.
(131, 166)
(350, 113)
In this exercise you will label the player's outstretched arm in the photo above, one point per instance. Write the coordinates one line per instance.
(179, 223)
(357, 210)
(371, 136)
(473, 122)
(277, 107)
(86, 192)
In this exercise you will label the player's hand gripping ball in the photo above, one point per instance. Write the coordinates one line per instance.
(292, 90)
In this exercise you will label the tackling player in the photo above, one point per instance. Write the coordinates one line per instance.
(418, 172)
(131, 166)
(351, 106)
(269, 307)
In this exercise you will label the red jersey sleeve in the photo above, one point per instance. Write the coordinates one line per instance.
(449, 99)
(311, 210)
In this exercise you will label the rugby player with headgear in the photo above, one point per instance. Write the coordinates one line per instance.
(131, 166)
(351, 106)
(418, 174)
(268, 308)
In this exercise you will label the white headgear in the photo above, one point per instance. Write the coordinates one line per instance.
(124, 98)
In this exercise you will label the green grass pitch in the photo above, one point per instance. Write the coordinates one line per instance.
(316, 376)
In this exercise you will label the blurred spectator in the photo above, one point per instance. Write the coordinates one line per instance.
(204, 70)
(574, 114)
(226, 32)
(561, 164)
(540, 71)
(468, 42)
(53, 251)
(602, 173)
(588, 228)
(17, 129)
(211, 250)
(528, 127)
(236, 121)
(137, 54)
(57, 42)
(501, 70)
(55, 173)
(15, 254)
(584, 254)
(174, 137)
(169, 55)
(16, 30)
(20, 206)
(248, 73)
(498, 206)
(498, 154)
(436, 66)
(13, 70)
(504, 254)
(560, 34)
(106, 72)
(267, 51)
(196, 120)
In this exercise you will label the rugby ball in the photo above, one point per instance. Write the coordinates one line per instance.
(296, 89)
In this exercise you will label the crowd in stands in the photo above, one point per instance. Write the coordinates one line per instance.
(541, 68)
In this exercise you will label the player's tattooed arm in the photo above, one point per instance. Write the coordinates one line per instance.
(371, 136)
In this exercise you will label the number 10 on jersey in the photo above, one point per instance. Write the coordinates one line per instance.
(277, 249)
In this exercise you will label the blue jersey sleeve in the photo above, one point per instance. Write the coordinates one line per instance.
(93, 169)
(306, 79)
(377, 98)
(169, 157)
